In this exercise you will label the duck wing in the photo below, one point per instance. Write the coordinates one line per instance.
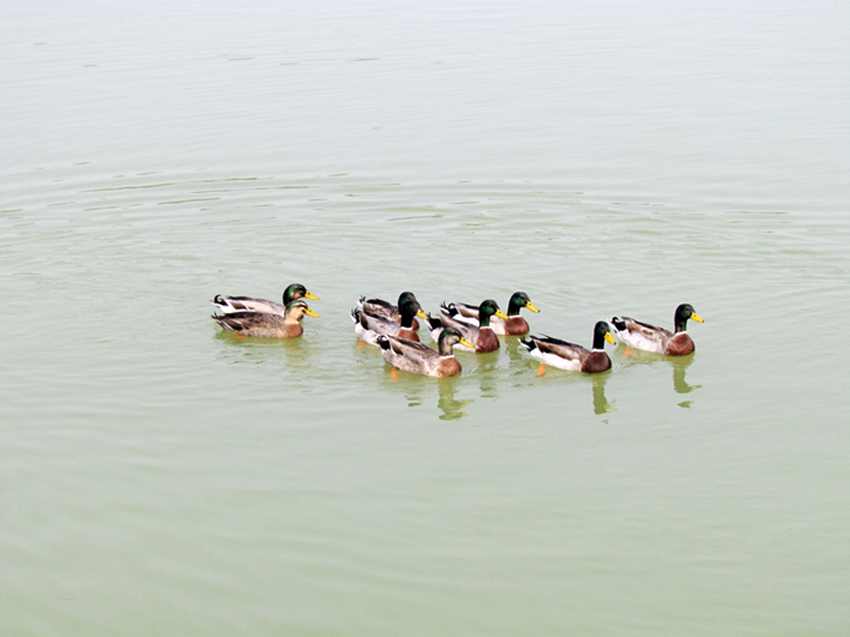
(232, 304)
(564, 349)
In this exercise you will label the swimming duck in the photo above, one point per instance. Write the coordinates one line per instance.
(657, 339)
(572, 357)
(514, 325)
(370, 326)
(481, 334)
(231, 304)
(418, 358)
(380, 307)
(265, 324)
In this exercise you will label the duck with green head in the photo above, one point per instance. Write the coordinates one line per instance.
(370, 326)
(572, 357)
(231, 304)
(481, 335)
(266, 324)
(513, 325)
(651, 338)
(418, 358)
(380, 307)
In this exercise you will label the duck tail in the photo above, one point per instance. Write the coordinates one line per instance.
(528, 343)
(618, 323)
(221, 319)
(383, 342)
(434, 322)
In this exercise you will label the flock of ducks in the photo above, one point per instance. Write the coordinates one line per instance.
(394, 328)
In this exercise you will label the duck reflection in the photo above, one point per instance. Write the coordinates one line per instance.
(419, 390)
(447, 403)
(238, 349)
(679, 365)
(600, 401)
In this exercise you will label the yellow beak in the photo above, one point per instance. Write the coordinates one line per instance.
(531, 307)
(466, 343)
(501, 314)
(610, 338)
(311, 296)
(696, 318)
(310, 312)
(421, 314)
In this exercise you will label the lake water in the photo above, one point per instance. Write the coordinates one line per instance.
(160, 477)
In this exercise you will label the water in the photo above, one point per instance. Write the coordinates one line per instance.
(158, 475)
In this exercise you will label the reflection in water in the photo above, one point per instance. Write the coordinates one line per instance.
(523, 366)
(679, 384)
(600, 402)
(419, 390)
(255, 350)
(452, 409)
(485, 368)
(679, 364)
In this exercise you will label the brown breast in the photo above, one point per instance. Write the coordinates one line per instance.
(409, 334)
(596, 362)
(680, 345)
(487, 341)
(516, 326)
(292, 330)
(448, 366)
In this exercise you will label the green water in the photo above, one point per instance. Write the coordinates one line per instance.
(160, 477)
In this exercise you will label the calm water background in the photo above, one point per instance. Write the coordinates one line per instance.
(159, 477)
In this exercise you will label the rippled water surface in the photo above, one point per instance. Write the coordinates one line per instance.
(161, 476)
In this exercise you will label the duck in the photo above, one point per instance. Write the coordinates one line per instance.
(659, 340)
(267, 324)
(481, 334)
(370, 326)
(569, 356)
(418, 358)
(513, 325)
(380, 307)
(231, 304)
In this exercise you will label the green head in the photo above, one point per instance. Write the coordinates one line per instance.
(487, 309)
(296, 291)
(602, 333)
(450, 337)
(409, 307)
(406, 296)
(518, 301)
(684, 312)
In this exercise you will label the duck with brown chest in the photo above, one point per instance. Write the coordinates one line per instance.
(380, 307)
(265, 324)
(651, 338)
(370, 326)
(572, 357)
(418, 358)
(232, 304)
(482, 335)
(513, 325)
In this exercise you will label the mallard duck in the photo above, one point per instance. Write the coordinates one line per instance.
(514, 325)
(481, 335)
(370, 326)
(265, 324)
(657, 339)
(380, 307)
(231, 304)
(418, 358)
(572, 357)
